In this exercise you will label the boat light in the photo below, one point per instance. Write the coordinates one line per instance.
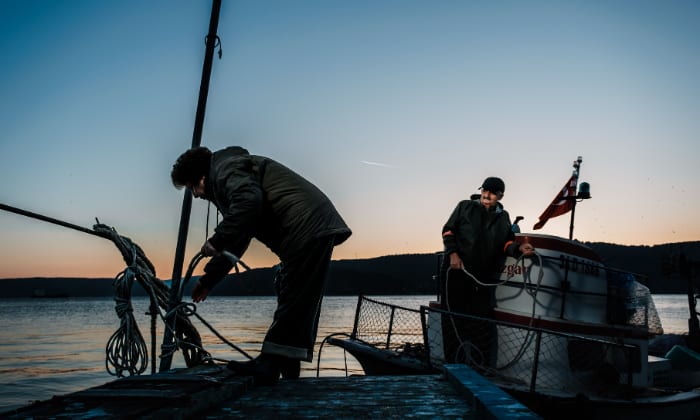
(584, 191)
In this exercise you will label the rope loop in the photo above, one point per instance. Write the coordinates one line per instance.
(126, 350)
(217, 43)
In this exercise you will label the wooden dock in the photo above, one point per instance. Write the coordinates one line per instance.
(213, 392)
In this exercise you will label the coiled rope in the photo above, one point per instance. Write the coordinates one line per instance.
(126, 350)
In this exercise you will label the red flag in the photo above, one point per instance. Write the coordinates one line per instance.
(561, 204)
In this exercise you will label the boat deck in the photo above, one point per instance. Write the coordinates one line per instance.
(213, 392)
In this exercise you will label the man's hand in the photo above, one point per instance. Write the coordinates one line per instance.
(527, 249)
(208, 250)
(455, 261)
(199, 293)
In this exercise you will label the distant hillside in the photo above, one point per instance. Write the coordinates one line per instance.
(400, 274)
(649, 261)
(395, 274)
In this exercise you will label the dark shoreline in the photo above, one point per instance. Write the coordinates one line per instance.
(408, 274)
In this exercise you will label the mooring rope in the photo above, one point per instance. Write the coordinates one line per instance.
(320, 349)
(124, 349)
(466, 347)
(191, 309)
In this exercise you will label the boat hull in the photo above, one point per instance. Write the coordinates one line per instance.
(376, 361)
(565, 280)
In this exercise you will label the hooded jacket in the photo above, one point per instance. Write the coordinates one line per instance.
(261, 198)
(480, 236)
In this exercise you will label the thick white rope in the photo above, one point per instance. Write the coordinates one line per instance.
(465, 347)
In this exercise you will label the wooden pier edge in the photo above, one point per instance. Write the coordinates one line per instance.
(215, 392)
(485, 397)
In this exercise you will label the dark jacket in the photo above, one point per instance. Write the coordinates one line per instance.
(479, 236)
(261, 198)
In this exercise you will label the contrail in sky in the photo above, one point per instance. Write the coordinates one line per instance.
(383, 165)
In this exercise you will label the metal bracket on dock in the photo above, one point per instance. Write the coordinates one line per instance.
(486, 397)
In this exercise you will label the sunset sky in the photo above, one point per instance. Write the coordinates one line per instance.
(396, 109)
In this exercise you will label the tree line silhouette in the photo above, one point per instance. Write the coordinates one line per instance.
(405, 274)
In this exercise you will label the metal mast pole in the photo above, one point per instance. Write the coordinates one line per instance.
(211, 42)
(577, 168)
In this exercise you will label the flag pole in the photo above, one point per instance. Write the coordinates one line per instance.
(577, 168)
(565, 200)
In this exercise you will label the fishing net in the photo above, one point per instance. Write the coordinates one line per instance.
(389, 327)
(533, 359)
(630, 303)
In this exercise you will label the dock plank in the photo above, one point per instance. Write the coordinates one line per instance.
(212, 391)
(178, 394)
(422, 396)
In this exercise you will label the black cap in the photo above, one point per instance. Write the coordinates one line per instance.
(494, 185)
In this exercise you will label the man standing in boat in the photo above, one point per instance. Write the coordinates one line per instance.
(476, 238)
(261, 198)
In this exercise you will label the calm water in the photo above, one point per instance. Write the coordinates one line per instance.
(56, 346)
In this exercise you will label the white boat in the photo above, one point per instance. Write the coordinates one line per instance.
(568, 333)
